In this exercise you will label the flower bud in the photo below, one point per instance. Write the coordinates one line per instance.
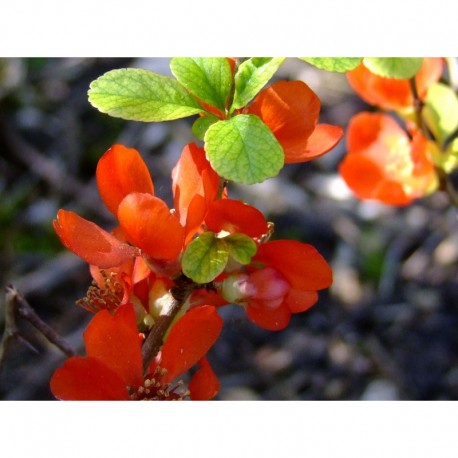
(263, 288)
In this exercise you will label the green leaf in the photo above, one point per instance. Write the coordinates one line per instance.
(201, 125)
(241, 247)
(394, 67)
(205, 258)
(448, 161)
(243, 149)
(441, 111)
(252, 75)
(334, 64)
(141, 95)
(208, 78)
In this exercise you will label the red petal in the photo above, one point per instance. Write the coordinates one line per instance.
(87, 379)
(302, 266)
(149, 225)
(365, 129)
(273, 320)
(90, 242)
(121, 171)
(235, 216)
(204, 384)
(113, 340)
(192, 175)
(300, 301)
(323, 139)
(366, 179)
(430, 72)
(290, 109)
(390, 93)
(190, 339)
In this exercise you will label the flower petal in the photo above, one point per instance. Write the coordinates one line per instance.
(301, 264)
(235, 216)
(192, 176)
(121, 171)
(90, 242)
(390, 93)
(273, 320)
(300, 301)
(87, 379)
(367, 181)
(190, 339)
(204, 384)
(149, 225)
(290, 109)
(324, 138)
(113, 340)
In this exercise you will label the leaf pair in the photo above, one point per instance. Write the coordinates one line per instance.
(207, 256)
(240, 148)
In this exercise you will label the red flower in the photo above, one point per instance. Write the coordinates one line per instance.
(145, 221)
(291, 110)
(283, 278)
(195, 186)
(112, 369)
(234, 216)
(390, 93)
(384, 164)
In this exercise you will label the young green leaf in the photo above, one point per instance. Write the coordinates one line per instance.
(252, 76)
(441, 111)
(141, 95)
(208, 78)
(334, 64)
(205, 258)
(243, 149)
(201, 124)
(394, 67)
(241, 247)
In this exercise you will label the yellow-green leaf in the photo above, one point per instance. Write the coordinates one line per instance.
(141, 95)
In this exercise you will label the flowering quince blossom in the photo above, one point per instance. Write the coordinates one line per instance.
(145, 220)
(384, 164)
(291, 110)
(283, 278)
(390, 93)
(195, 186)
(136, 267)
(112, 369)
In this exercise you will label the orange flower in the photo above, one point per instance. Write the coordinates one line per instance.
(146, 222)
(291, 110)
(195, 186)
(283, 278)
(90, 242)
(112, 369)
(390, 93)
(234, 216)
(384, 164)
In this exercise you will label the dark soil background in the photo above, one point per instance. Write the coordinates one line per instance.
(386, 329)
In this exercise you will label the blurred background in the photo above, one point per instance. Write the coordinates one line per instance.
(386, 329)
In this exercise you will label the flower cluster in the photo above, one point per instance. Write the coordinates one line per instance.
(386, 161)
(154, 316)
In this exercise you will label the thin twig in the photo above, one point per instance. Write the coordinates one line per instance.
(418, 107)
(16, 306)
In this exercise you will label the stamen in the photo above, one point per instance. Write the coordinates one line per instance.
(108, 298)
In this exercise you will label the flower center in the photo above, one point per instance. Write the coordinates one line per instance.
(108, 298)
(153, 389)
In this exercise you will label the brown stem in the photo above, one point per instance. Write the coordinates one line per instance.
(155, 338)
(418, 107)
(17, 306)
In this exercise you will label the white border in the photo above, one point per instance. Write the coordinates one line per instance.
(152, 28)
